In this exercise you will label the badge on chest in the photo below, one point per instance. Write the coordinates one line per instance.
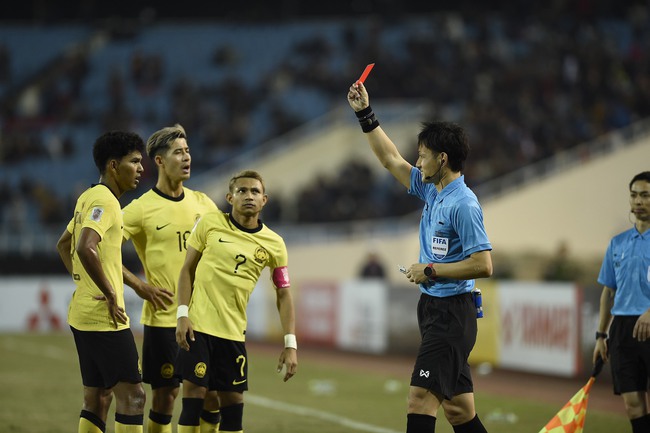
(439, 247)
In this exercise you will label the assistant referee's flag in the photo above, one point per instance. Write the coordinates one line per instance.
(571, 418)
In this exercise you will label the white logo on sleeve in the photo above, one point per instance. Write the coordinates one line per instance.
(648, 276)
(439, 247)
(424, 373)
(96, 214)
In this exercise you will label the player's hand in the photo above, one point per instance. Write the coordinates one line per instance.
(289, 360)
(116, 312)
(358, 96)
(183, 331)
(118, 315)
(642, 327)
(158, 297)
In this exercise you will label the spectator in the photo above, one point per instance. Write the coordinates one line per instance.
(372, 267)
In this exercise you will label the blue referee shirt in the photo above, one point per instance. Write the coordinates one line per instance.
(626, 270)
(451, 229)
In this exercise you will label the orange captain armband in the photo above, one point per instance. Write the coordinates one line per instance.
(281, 277)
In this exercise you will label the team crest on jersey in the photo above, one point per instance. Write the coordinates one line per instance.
(261, 255)
(96, 214)
(439, 247)
(167, 370)
(200, 369)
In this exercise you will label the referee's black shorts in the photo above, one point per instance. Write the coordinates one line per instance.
(448, 329)
(629, 358)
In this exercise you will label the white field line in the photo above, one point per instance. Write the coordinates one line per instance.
(314, 413)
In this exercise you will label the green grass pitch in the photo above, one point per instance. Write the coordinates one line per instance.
(41, 392)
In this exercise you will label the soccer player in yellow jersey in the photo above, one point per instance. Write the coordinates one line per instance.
(90, 248)
(159, 223)
(226, 254)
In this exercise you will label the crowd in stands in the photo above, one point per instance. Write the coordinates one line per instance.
(525, 87)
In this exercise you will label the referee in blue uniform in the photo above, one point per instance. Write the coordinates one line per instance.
(625, 308)
(454, 250)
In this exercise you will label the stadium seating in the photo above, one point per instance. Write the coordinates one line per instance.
(235, 86)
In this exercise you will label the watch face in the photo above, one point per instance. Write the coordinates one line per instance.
(428, 271)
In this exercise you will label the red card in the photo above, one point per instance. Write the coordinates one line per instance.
(366, 72)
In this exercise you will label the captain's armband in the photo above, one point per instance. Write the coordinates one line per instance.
(281, 277)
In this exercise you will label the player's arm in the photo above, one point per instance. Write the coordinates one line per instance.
(605, 317)
(382, 146)
(284, 303)
(86, 249)
(477, 265)
(157, 296)
(185, 283)
(64, 247)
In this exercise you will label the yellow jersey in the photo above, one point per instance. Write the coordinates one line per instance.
(97, 208)
(159, 226)
(232, 260)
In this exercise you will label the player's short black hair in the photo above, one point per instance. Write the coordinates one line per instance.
(645, 175)
(252, 174)
(115, 145)
(448, 137)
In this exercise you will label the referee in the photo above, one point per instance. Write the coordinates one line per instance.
(625, 308)
(454, 250)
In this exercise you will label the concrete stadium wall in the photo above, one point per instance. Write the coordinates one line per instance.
(584, 206)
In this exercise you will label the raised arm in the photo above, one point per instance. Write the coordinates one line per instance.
(383, 147)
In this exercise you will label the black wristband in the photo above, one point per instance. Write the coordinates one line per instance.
(363, 113)
(367, 119)
(601, 335)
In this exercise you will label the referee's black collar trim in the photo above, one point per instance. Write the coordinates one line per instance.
(92, 185)
(259, 227)
(169, 197)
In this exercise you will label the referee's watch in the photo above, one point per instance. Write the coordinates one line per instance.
(429, 272)
(602, 335)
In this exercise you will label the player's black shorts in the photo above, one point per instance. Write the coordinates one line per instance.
(448, 330)
(159, 352)
(214, 363)
(107, 357)
(629, 358)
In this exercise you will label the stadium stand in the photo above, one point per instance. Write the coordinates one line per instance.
(526, 86)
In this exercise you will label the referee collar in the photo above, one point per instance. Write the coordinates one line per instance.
(451, 187)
